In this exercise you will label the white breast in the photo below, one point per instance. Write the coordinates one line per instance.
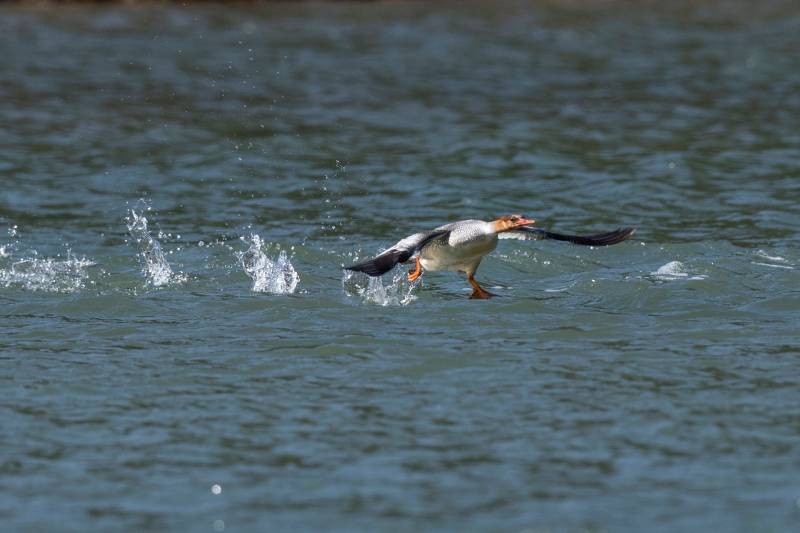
(462, 251)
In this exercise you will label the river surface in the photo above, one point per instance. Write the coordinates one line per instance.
(180, 187)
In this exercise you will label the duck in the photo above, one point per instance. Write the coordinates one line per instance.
(460, 246)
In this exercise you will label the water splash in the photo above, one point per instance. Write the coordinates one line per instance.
(372, 290)
(272, 276)
(47, 274)
(154, 265)
(674, 270)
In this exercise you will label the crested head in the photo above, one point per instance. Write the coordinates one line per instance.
(509, 222)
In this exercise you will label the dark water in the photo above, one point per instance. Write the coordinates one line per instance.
(155, 161)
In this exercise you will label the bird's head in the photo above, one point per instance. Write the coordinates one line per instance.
(510, 222)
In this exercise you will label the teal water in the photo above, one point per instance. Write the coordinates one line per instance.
(180, 349)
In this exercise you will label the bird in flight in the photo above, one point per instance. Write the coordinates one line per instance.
(460, 246)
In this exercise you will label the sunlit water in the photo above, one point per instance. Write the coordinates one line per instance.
(180, 187)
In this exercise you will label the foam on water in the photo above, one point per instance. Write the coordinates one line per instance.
(775, 261)
(777, 258)
(154, 264)
(784, 267)
(674, 270)
(372, 290)
(272, 276)
(47, 274)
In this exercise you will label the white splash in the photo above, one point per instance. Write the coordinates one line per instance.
(773, 259)
(154, 265)
(372, 290)
(47, 274)
(770, 265)
(776, 258)
(272, 276)
(674, 270)
(4, 251)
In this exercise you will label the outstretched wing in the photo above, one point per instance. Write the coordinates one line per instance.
(399, 253)
(601, 239)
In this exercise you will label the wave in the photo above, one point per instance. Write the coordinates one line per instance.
(775, 261)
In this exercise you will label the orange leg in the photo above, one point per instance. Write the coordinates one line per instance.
(416, 272)
(477, 291)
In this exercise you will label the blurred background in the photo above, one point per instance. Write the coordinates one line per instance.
(181, 184)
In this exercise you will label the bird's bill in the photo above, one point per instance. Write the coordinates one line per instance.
(525, 222)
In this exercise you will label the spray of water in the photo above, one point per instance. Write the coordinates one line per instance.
(20, 268)
(154, 264)
(47, 274)
(276, 276)
(373, 291)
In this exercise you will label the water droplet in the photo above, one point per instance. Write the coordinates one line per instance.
(216, 489)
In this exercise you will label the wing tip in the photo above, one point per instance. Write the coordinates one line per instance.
(616, 236)
(380, 265)
(626, 233)
(368, 267)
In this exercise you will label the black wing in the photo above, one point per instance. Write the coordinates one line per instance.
(399, 253)
(600, 239)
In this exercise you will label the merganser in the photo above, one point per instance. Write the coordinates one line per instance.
(460, 246)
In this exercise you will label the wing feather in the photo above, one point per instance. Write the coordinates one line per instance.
(600, 239)
(399, 253)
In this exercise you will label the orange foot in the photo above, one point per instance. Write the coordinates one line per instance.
(481, 295)
(478, 293)
(416, 272)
